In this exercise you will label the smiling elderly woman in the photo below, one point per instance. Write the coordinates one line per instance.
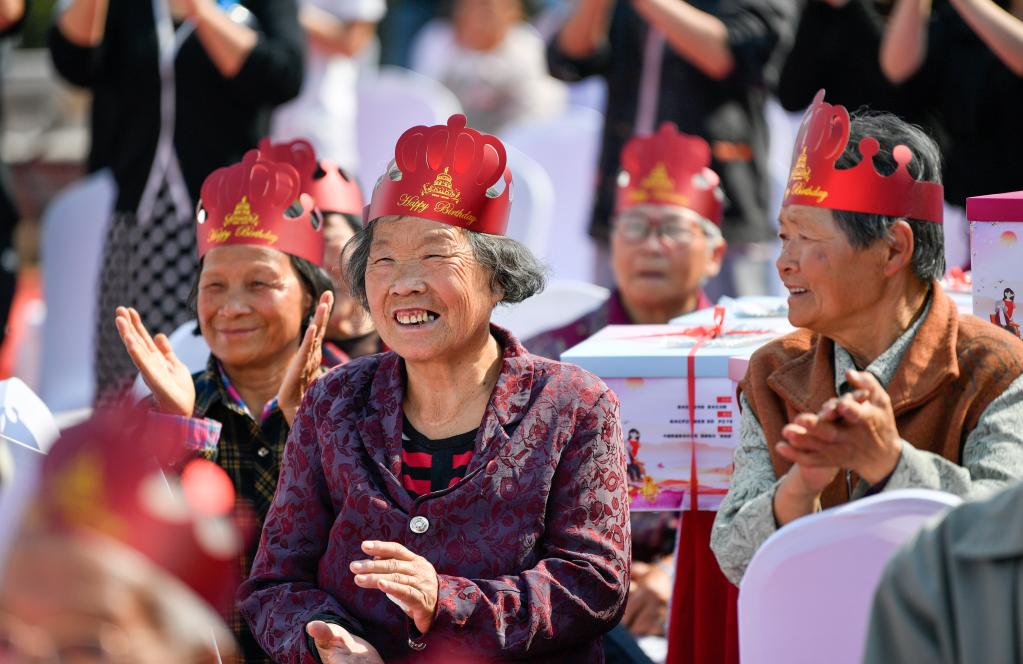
(455, 489)
(929, 398)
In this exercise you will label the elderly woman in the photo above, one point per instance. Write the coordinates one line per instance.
(665, 243)
(666, 240)
(887, 387)
(263, 301)
(454, 497)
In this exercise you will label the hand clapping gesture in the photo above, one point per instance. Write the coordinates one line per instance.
(855, 431)
(305, 366)
(165, 375)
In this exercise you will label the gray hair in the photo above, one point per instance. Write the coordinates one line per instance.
(514, 271)
(863, 230)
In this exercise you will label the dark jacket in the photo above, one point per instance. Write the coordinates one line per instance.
(216, 119)
(531, 547)
(728, 113)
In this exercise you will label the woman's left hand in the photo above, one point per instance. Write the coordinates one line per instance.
(409, 580)
(306, 364)
(856, 431)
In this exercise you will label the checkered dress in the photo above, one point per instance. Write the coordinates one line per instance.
(150, 265)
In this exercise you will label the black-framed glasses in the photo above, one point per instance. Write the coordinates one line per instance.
(635, 226)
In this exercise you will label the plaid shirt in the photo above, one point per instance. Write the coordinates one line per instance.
(222, 430)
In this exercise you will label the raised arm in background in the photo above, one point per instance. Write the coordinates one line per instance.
(699, 37)
(904, 44)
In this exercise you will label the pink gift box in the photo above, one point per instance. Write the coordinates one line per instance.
(996, 228)
(648, 367)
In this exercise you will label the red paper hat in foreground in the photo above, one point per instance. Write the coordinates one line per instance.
(104, 478)
(331, 188)
(815, 181)
(669, 168)
(447, 173)
(259, 202)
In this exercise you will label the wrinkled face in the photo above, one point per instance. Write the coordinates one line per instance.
(348, 319)
(660, 254)
(251, 304)
(830, 282)
(428, 296)
(57, 605)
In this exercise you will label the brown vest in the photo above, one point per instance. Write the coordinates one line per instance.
(954, 367)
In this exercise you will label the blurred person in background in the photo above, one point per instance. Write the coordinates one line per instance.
(836, 48)
(324, 112)
(665, 244)
(705, 69)
(350, 332)
(665, 238)
(12, 14)
(190, 84)
(263, 302)
(965, 59)
(493, 61)
(117, 561)
(455, 499)
(404, 20)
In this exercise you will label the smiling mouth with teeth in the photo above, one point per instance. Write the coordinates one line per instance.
(416, 318)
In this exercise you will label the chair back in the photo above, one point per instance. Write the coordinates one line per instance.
(807, 593)
(567, 148)
(532, 211)
(388, 104)
(73, 233)
(560, 303)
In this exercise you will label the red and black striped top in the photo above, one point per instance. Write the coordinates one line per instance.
(432, 465)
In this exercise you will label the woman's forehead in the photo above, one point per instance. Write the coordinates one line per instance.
(416, 233)
(806, 216)
(240, 258)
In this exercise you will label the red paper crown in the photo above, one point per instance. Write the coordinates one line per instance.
(331, 188)
(105, 477)
(444, 173)
(251, 202)
(815, 181)
(669, 168)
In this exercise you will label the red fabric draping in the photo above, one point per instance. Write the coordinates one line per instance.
(704, 627)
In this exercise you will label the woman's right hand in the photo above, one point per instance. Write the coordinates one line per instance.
(336, 645)
(166, 376)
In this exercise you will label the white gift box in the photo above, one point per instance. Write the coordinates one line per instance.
(649, 368)
(996, 229)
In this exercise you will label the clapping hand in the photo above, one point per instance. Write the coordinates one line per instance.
(855, 431)
(305, 366)
(166, 376)
(407, 579)
(337, 646)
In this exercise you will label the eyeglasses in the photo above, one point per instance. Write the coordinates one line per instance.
(636, 227)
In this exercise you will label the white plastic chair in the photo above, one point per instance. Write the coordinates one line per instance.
(532, 210)
(190, 348)
(560, 303)
(388, 104)
(807, 593)
(27, 431)
(74, 229)
(567, 148)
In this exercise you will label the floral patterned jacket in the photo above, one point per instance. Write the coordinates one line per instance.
(531, 548)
